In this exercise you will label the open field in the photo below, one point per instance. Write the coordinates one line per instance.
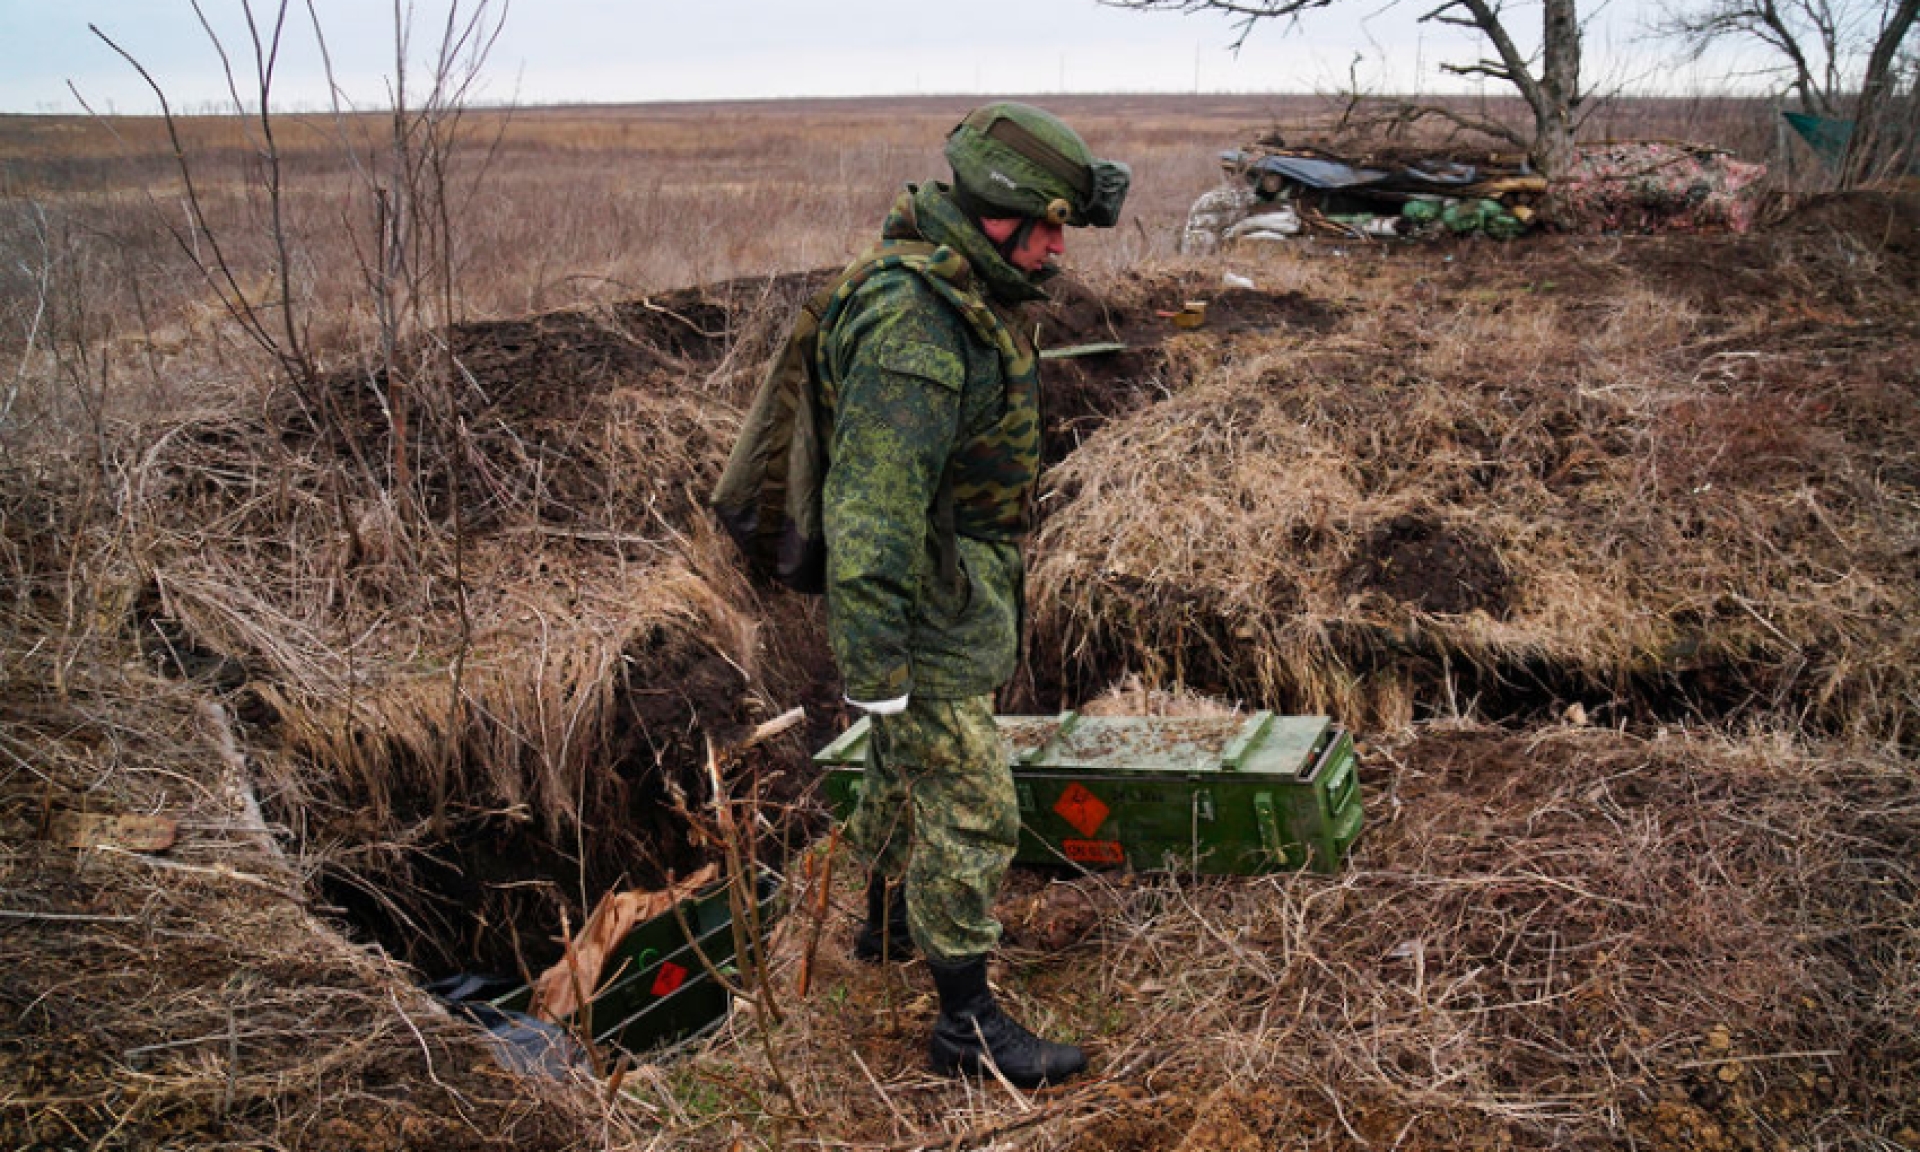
(1608, 547)
(557, 207)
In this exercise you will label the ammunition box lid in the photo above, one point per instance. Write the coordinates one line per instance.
(1261, 745)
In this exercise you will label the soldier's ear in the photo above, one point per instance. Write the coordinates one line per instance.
(999, 228)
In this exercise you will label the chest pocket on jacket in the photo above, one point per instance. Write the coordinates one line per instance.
(928, 362)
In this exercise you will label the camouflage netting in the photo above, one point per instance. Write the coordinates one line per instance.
(1657, 187)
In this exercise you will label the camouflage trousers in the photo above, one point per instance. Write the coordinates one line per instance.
(938, 807)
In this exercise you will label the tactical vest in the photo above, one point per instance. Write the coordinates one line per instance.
(769, 497)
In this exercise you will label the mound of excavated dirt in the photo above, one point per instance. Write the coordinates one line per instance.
(1886, 223)
(1482, 483)
(1858, 252)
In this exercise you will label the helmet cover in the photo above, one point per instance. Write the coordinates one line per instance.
(1026, 162)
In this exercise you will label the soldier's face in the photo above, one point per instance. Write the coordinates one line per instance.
(1045, 240)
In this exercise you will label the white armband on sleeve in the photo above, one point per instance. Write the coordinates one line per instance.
(891, 707)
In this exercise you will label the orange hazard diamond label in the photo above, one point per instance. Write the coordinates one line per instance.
(670, 977)
(1082, 809)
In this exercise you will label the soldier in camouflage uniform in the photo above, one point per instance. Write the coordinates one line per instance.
(930, 397)
(1244, 192)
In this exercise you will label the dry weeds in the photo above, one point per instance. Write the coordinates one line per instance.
(195, 998)
(1671, 483)
(1568, 938)
(1518, 492)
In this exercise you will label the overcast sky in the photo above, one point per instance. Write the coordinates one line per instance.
(622, 50)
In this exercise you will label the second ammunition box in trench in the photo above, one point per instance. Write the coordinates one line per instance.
(656, 985)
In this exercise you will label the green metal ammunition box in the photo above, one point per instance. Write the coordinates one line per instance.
(657, 989)
(1227, 796)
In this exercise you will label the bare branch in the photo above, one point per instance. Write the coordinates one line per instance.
(1553, 94)
(1866, 145)
(219, 272)
(42, 293)
(1489, 68)
(1819, 44)
(1392, 117)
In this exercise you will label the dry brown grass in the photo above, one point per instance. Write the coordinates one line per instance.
(1679, 476)
(1600, 493)
(1564, 938)
(556, 207)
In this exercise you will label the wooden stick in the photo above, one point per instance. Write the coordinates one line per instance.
(68, 916)
(217, 872)
(825, 882)
(772, 728)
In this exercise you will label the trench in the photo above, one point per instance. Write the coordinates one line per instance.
(496, 894)
(462, 889)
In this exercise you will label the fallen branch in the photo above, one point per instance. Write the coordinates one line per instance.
(214, 872)
(774, 727)
(77, 917)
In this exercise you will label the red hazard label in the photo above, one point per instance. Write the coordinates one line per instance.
(670, 977)
(1082, 809)
(1094, 851)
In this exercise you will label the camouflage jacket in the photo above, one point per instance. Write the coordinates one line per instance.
(922, 378)
(1217, 210)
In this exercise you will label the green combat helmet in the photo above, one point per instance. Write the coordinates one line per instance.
(1017, 160)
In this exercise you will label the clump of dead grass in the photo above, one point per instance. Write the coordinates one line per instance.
(191, 997)
(1566, 938)
(1461, 493)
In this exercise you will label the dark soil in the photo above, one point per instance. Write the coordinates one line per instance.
(1816, 251)
(1424, 564)
(1884, 224)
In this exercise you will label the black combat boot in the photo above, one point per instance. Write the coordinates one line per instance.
(972, 1029)
(884, 937)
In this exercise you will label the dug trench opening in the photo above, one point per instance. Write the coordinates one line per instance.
(443, 877)
(455, 856)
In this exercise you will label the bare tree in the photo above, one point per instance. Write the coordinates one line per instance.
(1549, 79)
(1816, 43)
(1873, 148)
(1838, 58)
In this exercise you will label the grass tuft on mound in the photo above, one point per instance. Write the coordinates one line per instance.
(1460, 497)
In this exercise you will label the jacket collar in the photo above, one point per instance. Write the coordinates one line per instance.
(927, 212)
